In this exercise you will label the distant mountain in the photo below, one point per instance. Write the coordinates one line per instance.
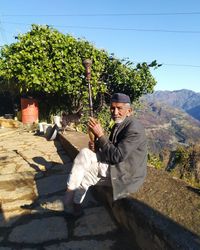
(167, 127)
(184, 99)
(171, 122)
(173, 139)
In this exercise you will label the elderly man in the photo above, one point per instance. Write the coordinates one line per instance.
(118, 161)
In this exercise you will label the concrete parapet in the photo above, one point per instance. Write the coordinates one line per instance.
(163, 214)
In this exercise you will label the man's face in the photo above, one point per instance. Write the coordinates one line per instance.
(119, 111)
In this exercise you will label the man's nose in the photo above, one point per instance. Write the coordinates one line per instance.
(116, 111)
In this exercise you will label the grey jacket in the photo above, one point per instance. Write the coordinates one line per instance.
(126, 153)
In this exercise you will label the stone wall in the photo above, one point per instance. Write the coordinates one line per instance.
(163, 214)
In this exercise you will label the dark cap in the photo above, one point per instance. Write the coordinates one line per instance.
(120, 97)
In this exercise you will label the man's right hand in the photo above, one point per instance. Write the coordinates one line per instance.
(95, 127)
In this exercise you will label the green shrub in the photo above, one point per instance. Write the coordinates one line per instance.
(155, 161)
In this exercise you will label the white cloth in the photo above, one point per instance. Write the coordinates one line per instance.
(87, 171)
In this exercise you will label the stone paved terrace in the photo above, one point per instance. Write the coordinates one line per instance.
(33, 174)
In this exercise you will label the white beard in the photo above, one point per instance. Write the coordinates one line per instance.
(119, 120)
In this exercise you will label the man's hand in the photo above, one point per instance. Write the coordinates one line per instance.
(95, 127)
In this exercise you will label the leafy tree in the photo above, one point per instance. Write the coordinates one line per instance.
(44, 60)
(48, 65)
(121, 76)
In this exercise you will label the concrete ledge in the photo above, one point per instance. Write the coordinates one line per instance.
(72, 142)
(163, 214)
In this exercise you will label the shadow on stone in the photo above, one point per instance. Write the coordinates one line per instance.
(149, 228)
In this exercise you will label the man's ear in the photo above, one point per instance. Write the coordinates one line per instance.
(130, 112)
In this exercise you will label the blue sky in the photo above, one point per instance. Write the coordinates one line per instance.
(146, 30)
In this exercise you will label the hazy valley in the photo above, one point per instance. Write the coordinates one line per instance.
(172, 122)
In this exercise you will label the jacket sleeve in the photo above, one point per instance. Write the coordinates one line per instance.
(128, 142)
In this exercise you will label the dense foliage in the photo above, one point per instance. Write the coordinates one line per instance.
(186, 164)
(47, 64)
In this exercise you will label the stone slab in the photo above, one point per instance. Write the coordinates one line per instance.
(83, 245)
(40, 231)
(91, 224)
